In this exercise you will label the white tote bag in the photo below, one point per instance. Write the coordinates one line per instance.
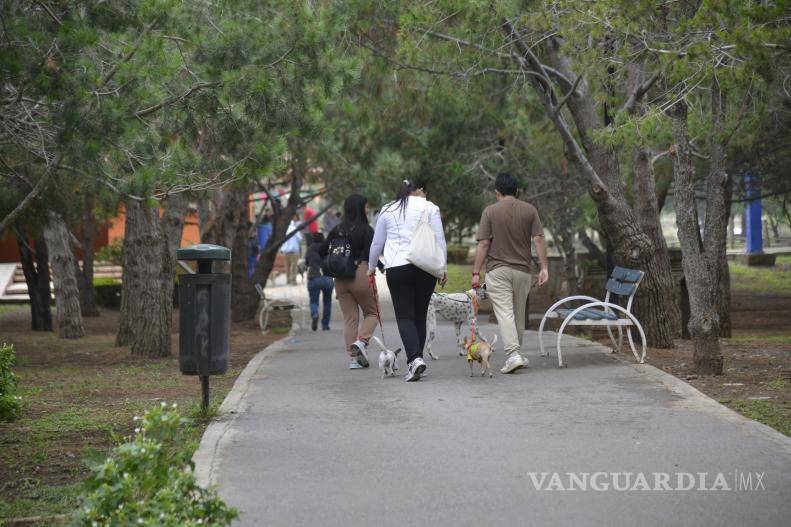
(424, 251)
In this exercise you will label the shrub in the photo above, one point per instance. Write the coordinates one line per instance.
(10, 403)
(105, 280)
(149, 480)
(108, 292)
(458, 254)
(111, 253)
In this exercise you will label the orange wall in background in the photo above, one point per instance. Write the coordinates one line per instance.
(190, 235)
(113, 230)
(9, 250)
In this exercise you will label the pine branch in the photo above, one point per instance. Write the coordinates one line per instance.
(176, 98)
(110, 74)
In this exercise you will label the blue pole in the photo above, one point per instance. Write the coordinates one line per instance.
(752, 229)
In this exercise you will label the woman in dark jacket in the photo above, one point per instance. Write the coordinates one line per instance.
(354, 294)
(318, 284)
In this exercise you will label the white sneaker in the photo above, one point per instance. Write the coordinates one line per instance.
(514, 362)
(415, 370)
(362, 353)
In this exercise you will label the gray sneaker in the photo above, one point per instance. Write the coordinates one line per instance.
(354, 365)
(415, 370)
(514, 362)
(362, 353)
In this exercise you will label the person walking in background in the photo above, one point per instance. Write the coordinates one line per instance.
(332, 219)
(290, 250)
(410, 287)
(252, 252)
(264, 231)
(310, 225)
(318, 284)
(504, 236)
(351, 283)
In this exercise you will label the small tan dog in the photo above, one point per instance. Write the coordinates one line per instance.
(480, 351)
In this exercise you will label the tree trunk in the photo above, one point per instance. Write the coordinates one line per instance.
(702, 256)
(239, 224)
(246, 304)
(240, 280)
(35, 266)
(632, 247)
(206, 216)
(663, 287)
(775, 225)
(172, 228)
(148, 275)
(724, 298)
(88, 233)
(137, 278)
(64, 275)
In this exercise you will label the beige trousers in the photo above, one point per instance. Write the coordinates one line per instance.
(292, 259)
(353, 296)
(508, 289)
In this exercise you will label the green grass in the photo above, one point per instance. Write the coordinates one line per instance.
(459, 279)
(10, 308)
(779, 338)
(45, 501)
(766, 412)
(775, 279)
(780, 384)
(70, 420)
(105, 281)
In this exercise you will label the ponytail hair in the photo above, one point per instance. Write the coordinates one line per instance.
(405, 190)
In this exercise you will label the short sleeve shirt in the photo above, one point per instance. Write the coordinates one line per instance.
(313, 226)
(510, 224)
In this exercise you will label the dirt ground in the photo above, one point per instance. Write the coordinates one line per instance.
(80, 397)
(757, 377)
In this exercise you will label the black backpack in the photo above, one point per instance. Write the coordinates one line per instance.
(339, 262)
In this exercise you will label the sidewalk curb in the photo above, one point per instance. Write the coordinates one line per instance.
(206, 457)
(691, 398)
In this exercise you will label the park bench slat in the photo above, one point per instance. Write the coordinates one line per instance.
(623, 274)
(620, 288)
(566, 312)
(588, 314)
(601, 314)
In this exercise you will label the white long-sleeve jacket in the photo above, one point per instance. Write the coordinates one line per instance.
(395, 228)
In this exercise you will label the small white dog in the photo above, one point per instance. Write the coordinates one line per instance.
(387, 359)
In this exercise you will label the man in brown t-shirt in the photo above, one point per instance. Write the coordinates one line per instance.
(504, 235)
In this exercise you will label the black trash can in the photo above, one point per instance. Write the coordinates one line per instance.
(205, 314)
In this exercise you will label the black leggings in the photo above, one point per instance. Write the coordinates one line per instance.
(411, 289)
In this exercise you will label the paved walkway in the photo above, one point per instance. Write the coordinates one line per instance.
(312, 443)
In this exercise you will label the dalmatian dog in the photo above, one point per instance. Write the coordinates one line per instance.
(458, 308)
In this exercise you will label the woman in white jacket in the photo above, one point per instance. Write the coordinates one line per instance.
(410, 287)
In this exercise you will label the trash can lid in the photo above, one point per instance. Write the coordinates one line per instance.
(204, 251)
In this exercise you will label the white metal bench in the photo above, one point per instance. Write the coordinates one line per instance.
(623, 282)
(266, 306)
